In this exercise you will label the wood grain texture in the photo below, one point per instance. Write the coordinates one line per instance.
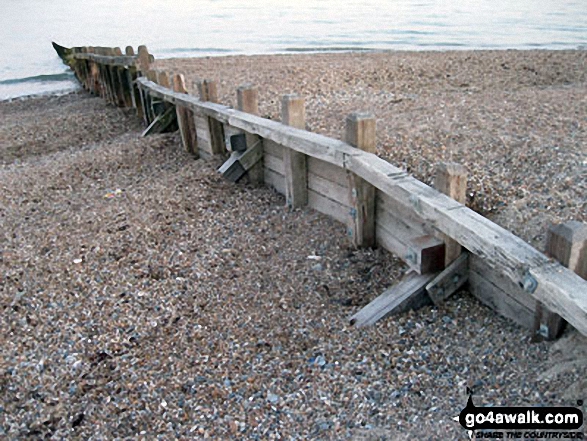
(295, 164)
(360, 133)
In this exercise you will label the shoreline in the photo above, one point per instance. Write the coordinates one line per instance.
(297, 52)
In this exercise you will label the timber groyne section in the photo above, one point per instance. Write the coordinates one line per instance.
(445, 244)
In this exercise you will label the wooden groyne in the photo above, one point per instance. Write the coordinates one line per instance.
(443, 242)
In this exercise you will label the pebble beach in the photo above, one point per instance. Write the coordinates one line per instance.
(144, 297)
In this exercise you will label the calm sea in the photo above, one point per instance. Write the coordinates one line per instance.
(192, 28)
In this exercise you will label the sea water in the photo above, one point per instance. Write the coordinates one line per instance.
(191, 28)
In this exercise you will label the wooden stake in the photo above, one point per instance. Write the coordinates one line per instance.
(208, 90)
(293, 113)
(185, 119)
(144, 59)
(163, 79)
(360, 133)
(247, 101)
(451, 179)
(567, 243)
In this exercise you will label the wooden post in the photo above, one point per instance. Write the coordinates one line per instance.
(185, 119)
(360, 133)
(451, 179)
(144, 59)
(293, 113)
(120, 79)
(566, 243)
(163, 79)
(111, 82)
(208, 91)
(247, 101)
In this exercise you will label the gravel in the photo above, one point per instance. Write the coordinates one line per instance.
(143, 296)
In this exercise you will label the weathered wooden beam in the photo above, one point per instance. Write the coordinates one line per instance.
(450, 280)
(360, 133)
(408, 293)
(558, 288)
(185, 118)
(109, 60)
(566, 243)
(248, 101)
(293, 113)
(451, 179)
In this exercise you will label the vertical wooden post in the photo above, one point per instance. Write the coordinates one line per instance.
(111, 83)
(144, 64)
(163, 79)
(360, 133)
(451, 179)
(119, 81)
(566, 243)
(185, 119)
(293, 113)
(208, 91)
(248, 101)
(144, 59)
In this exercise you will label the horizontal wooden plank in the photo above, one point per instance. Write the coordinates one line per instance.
(328, 206)
(498, 300)
(274, 163)
(121, 60)
(275, 180)
(556, 287)
(328, 171)
(398, 211)
(202, 128)
(272, 148)
(329, 189)
(506, 285)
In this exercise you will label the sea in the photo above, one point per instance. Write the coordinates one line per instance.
(199, 28)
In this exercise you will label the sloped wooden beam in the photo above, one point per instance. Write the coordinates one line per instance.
(449, 280)
(408, 293)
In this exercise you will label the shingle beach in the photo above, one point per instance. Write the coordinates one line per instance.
(142, 296)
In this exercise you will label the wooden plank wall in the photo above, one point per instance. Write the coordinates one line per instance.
(499, 293)
(328, 190)
(203, 135)
(273, 169)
